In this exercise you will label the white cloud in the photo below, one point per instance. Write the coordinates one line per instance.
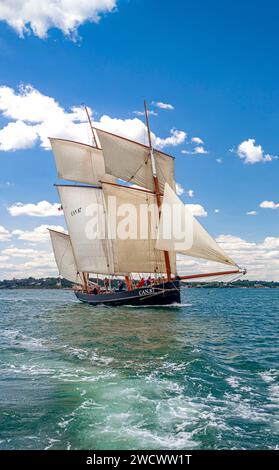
(41, 209)
(252, 153)
(162, 105)
(269, 205)
(251, 213)
(199, 150)
(261, 259)
(142, 113)
(21, 252)
(38, 235)
(176, 138)
(197, 140)
(216, 211)
(179, 189)
(27, 16)
(5, 235)
(197, 210)
(17, 135)
(190, 193)
(219, 160)
(39, 116)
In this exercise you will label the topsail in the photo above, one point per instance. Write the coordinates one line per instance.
(80, 162)
(130, 161)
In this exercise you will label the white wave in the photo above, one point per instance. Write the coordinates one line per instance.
(18, 339)
(233, 382)
(77, 352)
(96, 358)
(269, 376)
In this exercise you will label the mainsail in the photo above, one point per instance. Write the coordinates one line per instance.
(80, 162)
(130, 161)
(197, 242)
(137, 214)
(84, 212)
(64, 256)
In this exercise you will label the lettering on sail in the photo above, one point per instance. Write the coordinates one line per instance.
(76, 211)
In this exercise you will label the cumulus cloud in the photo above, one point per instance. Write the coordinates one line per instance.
(162, 105)
(38, 235)
(24, 262)
(27, 17)
(176, 138)
(197, 140)
(179, 189)
(21, 252)
(261, 259)
(197, 210)
(199, 150)
(36, 116)
(216, 211)
(5, 235)
(269, 205)
(41, 209)
(190, 193)
(251, 153)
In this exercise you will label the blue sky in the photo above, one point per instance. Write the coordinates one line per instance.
(215, 62)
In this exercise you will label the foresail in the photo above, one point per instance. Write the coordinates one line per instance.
(64, 257)
(80, 162)
(84, 212)
(195, 242)
(130, 161)
(135, 230)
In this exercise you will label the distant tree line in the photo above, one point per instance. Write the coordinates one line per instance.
(57, 283)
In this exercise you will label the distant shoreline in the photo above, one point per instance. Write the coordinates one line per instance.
(55, 283)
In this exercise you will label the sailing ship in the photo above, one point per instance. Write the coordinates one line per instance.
(115, 168)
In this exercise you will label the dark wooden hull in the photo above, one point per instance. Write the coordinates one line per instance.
(161, 294)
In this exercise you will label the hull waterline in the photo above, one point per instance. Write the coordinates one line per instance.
(160, 294)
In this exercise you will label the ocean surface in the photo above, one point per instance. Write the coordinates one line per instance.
(203, 375)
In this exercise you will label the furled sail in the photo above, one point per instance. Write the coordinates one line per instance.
(196, 241)
(85, 216)
(130, 161)
(135, 230)
(76, 161)
(64, 256)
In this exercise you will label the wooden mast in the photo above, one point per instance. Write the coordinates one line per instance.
(85, 276)
(156, 186)
(92, 128)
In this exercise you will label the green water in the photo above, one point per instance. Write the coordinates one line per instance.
(201, 376)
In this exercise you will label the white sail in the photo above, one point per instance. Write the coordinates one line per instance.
(196, 241)
(130, 161)
(137, 219)
(64, 256)
(76, 161)
(86, 221)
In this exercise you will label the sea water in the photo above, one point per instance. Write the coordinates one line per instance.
(203, 375)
